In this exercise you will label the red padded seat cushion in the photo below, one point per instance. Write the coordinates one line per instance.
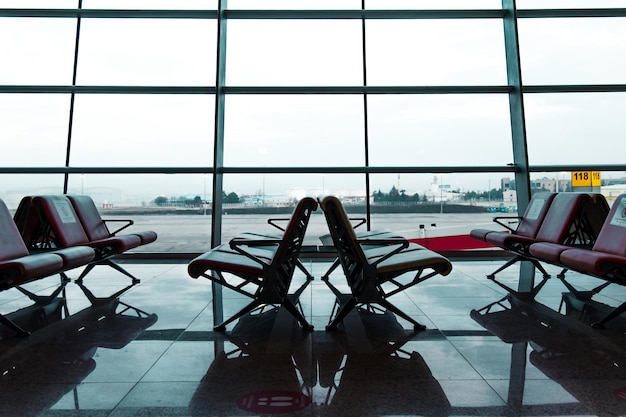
(223, 258)
(75, 256)
(11, 244)
(119, 244)
(550, 252)
(30, 267)
(590, 261)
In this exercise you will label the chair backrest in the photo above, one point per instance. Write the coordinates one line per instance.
(349, 252)
(65, 229)
(28, 222)
(560, 223)
(89, 217)
(11, 244)
(591, 219)
(535, 213)
(285, 259)
(612, 237)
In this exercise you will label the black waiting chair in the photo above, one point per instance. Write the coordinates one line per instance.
(260, 267)
(376, 274)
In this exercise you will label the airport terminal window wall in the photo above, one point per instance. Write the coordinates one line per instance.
(189, 102)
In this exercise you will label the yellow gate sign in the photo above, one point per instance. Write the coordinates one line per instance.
(586, 179)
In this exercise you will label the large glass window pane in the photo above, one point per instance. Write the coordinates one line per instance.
(294, 52)
(433, 4)
(17, 186)
(294, 130)
(435, 52)
(37, 50)
(150, 4)
(34, 129)
(568, 4)
(439, 210)
(252, 199)
(143, 130)
(584, 128)
(573, 51)
(294, 4)
(45, 4)
(147, 52)
(174, 206)
(443, 130)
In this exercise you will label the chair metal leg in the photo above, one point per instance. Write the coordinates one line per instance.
(112, 265)
(330, 270)
(417, 326)
(13, 326)
(291, 308)
(344, 308)
(222, 326)
(614, 313)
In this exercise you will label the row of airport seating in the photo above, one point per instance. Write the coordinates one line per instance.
(574, 231)
(376, 266)
(51, 234)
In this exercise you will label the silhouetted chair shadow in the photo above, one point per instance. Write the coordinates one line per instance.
(386, 380)
(588, 364)
(260, 267)
(60, 351)
(254, 366)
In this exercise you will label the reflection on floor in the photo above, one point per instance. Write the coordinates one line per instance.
(106, 349)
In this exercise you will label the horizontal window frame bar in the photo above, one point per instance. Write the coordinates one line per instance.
(104, 89)
(577, 88)
(257, 90)
(573, 13)
(309, 170)
(356, 14)
(111, 13)
(257, 170)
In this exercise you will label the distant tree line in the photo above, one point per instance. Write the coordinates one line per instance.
(397, 196)
(400, 196)
(196, 201)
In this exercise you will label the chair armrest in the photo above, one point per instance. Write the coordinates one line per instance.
(395, 244)
(281, 219)
(240, 244)
(256, 241)
(500, 221)
(119, 229)
(359, 221)
(388, 241)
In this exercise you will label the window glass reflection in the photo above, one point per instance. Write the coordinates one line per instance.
(37, 50)
(144, 52)
(174, 206)
(573, 51)
(17, 186)
(293, 130)
(294, 52)
(575, 128)
(143, 130)
(435, 52)
(34, 129)
(150, 4)
(447, 130)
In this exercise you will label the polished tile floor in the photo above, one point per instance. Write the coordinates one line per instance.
(149, 350)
